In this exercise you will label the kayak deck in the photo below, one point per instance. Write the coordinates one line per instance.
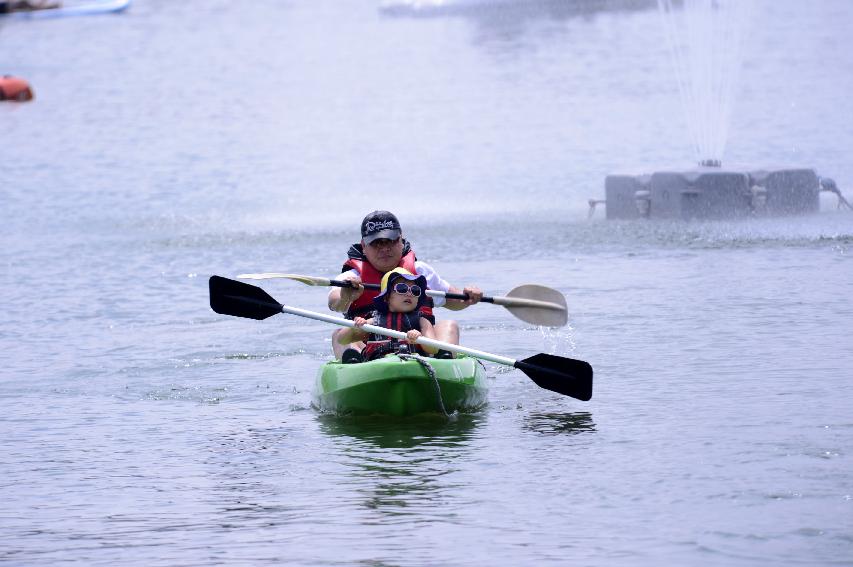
(396, 387)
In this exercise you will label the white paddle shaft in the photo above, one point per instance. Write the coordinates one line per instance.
(399, 335)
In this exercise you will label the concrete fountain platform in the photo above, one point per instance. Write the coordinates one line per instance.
(712, 192)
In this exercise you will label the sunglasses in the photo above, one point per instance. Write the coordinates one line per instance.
(403, 289)
(384, 242)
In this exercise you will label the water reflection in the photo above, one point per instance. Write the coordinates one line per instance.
(560, 423)
(507, 20)
(509, 9)
(405, 469)
(427, 431)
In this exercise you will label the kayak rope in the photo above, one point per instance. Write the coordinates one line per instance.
(431, 371)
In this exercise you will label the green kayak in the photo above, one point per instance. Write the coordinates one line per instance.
(392, 386)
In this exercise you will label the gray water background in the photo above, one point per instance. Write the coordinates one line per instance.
(184, 139)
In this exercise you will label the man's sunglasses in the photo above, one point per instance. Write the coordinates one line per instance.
(403, 289)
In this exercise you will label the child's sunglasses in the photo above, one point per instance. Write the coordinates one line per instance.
(403, 289)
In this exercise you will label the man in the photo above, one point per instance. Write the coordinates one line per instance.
(383, 248)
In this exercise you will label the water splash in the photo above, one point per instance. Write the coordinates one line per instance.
(706, 44)
(559, 341)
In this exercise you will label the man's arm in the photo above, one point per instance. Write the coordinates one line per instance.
(340, 298)
(436, 282)
(473, 292)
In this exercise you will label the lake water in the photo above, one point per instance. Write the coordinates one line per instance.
(184, 139)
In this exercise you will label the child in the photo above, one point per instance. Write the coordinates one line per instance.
(398, 307)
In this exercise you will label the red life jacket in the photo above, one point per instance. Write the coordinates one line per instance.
(378, 346)
(13, 88)
(370, 275)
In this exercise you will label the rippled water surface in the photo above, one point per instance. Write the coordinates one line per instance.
(184, 139)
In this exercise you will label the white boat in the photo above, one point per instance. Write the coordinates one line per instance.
(72, 8)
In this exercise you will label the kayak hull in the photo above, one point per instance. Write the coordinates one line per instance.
(391, 386)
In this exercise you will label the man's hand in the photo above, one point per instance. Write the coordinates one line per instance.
(474, 293)
(350, 294)
(340, 298)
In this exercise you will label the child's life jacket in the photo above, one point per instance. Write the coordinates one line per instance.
(378, 346)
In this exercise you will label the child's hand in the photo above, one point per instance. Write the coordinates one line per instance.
(359, 321)
(412, 336)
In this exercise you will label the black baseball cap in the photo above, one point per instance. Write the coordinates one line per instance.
(380, 224)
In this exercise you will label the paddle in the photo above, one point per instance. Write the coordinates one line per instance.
(532, 303)
(556, 373)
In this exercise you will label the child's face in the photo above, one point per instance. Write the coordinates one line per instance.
(401, 303)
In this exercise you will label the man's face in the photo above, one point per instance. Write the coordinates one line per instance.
(384, 254)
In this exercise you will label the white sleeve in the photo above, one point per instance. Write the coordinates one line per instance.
(434, 281)
(347, 275)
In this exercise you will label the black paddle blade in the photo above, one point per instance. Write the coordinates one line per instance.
(230, 297)
(559, 374)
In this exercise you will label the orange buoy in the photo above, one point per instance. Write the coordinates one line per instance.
(15, 89)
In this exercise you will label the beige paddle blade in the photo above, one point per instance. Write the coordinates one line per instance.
(307, 280)
(537, 305)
